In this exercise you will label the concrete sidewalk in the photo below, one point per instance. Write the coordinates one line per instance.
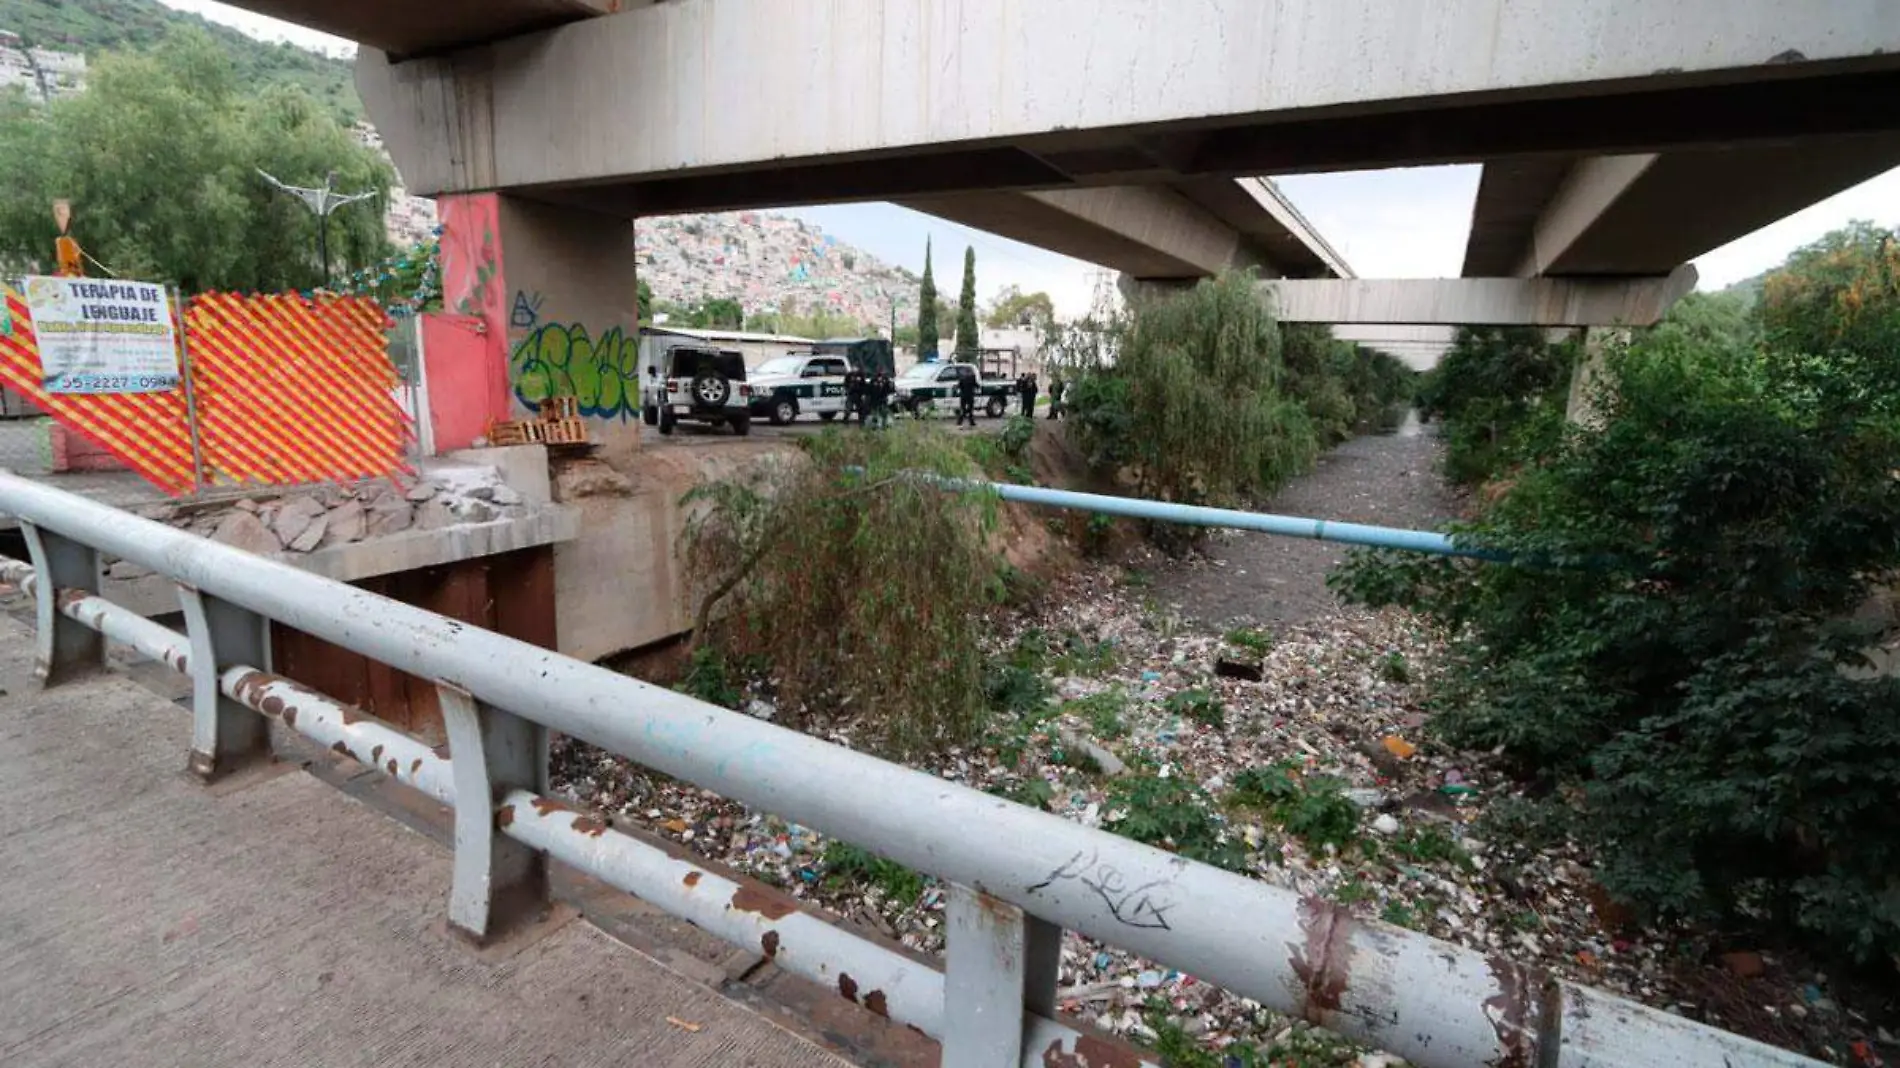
(146, 920)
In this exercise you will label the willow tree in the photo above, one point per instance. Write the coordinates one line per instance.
(778, 558)
(1187, 398)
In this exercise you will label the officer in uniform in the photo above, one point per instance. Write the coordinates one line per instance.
(966, 396)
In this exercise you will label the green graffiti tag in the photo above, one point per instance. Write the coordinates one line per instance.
(562, 360)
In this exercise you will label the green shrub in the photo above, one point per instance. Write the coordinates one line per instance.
(1430, 843)
(1342, 386)
(1251, 639)
(1095, 531)
(1178, 1049)
(1322, 814)
(1073, 654)
(1014, 688)
(1394, 668)
(1173, 815)
(815, 570)
(1403, 914)
(1103, 712)
(1033, 791)
(1266, 788)
(1677, 647)
(708, 678)
(1502, 393)
(1314, 808)
(1017, 433)
(846, 863)
(1197, 705)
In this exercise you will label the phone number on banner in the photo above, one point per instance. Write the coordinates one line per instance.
(97, 383)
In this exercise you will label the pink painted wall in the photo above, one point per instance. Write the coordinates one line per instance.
(465, 347)
(464, 379)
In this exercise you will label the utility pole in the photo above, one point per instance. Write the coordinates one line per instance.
(322, 202)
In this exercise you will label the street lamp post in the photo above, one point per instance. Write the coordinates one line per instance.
(321, 201)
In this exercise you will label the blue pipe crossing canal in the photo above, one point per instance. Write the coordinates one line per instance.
(1418, 541)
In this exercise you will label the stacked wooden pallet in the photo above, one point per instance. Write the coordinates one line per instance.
(558, 423)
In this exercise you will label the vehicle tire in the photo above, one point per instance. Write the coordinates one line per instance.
(667, 422)
(784, 410)
(827, 416)
(650, 415)
(995, 408)
(711, 390)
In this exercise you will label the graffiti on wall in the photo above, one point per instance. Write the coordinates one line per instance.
(527, 311)
(564, 360)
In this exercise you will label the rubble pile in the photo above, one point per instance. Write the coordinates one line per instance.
(332, 515)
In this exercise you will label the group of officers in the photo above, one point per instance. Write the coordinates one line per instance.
(868, 397)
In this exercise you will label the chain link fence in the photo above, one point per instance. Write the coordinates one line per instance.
(26, 436)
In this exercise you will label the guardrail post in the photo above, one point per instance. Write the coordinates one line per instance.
(499, 883)
(225, 736)
(66, 649)
(1000, 962)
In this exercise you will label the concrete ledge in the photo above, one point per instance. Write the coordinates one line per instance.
(414, 549)
(1479, 301)
(154, 595)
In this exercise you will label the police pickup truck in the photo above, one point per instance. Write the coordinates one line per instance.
(785, 387)
(925, 387)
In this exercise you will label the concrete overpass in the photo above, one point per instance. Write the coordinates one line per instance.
(898, 100)
(1193, 229)
(1115, 131)
(1644, 213)
(1181, 230)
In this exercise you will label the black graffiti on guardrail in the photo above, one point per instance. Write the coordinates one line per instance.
(1145, 905)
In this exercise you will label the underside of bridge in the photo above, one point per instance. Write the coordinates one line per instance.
(1621, 137)
(1643, 214)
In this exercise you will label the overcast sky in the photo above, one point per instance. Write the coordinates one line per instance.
(1408, 223)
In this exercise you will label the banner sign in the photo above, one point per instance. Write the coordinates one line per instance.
(103, 336)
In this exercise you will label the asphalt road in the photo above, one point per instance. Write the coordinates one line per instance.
(691, 435)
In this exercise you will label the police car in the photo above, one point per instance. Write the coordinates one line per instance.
(785, 387)
(925, 387)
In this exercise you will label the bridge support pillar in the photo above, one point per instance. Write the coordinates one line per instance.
(1000, 963)
(67, 648)
(1586, 377)
(548, 306)
(499, 885)
(225, 735)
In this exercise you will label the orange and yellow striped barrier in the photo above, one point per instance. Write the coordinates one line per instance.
(287, 390)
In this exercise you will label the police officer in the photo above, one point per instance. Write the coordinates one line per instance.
(881, 390)
(1056, 389)
(1029, 395)
(966, 396)
(854, 395)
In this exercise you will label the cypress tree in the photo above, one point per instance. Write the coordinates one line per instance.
(927, 311)
(968, 342)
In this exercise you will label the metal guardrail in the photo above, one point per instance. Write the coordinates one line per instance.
(1018, 875)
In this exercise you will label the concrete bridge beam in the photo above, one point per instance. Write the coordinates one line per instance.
(667, 104)
(1478, 301)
